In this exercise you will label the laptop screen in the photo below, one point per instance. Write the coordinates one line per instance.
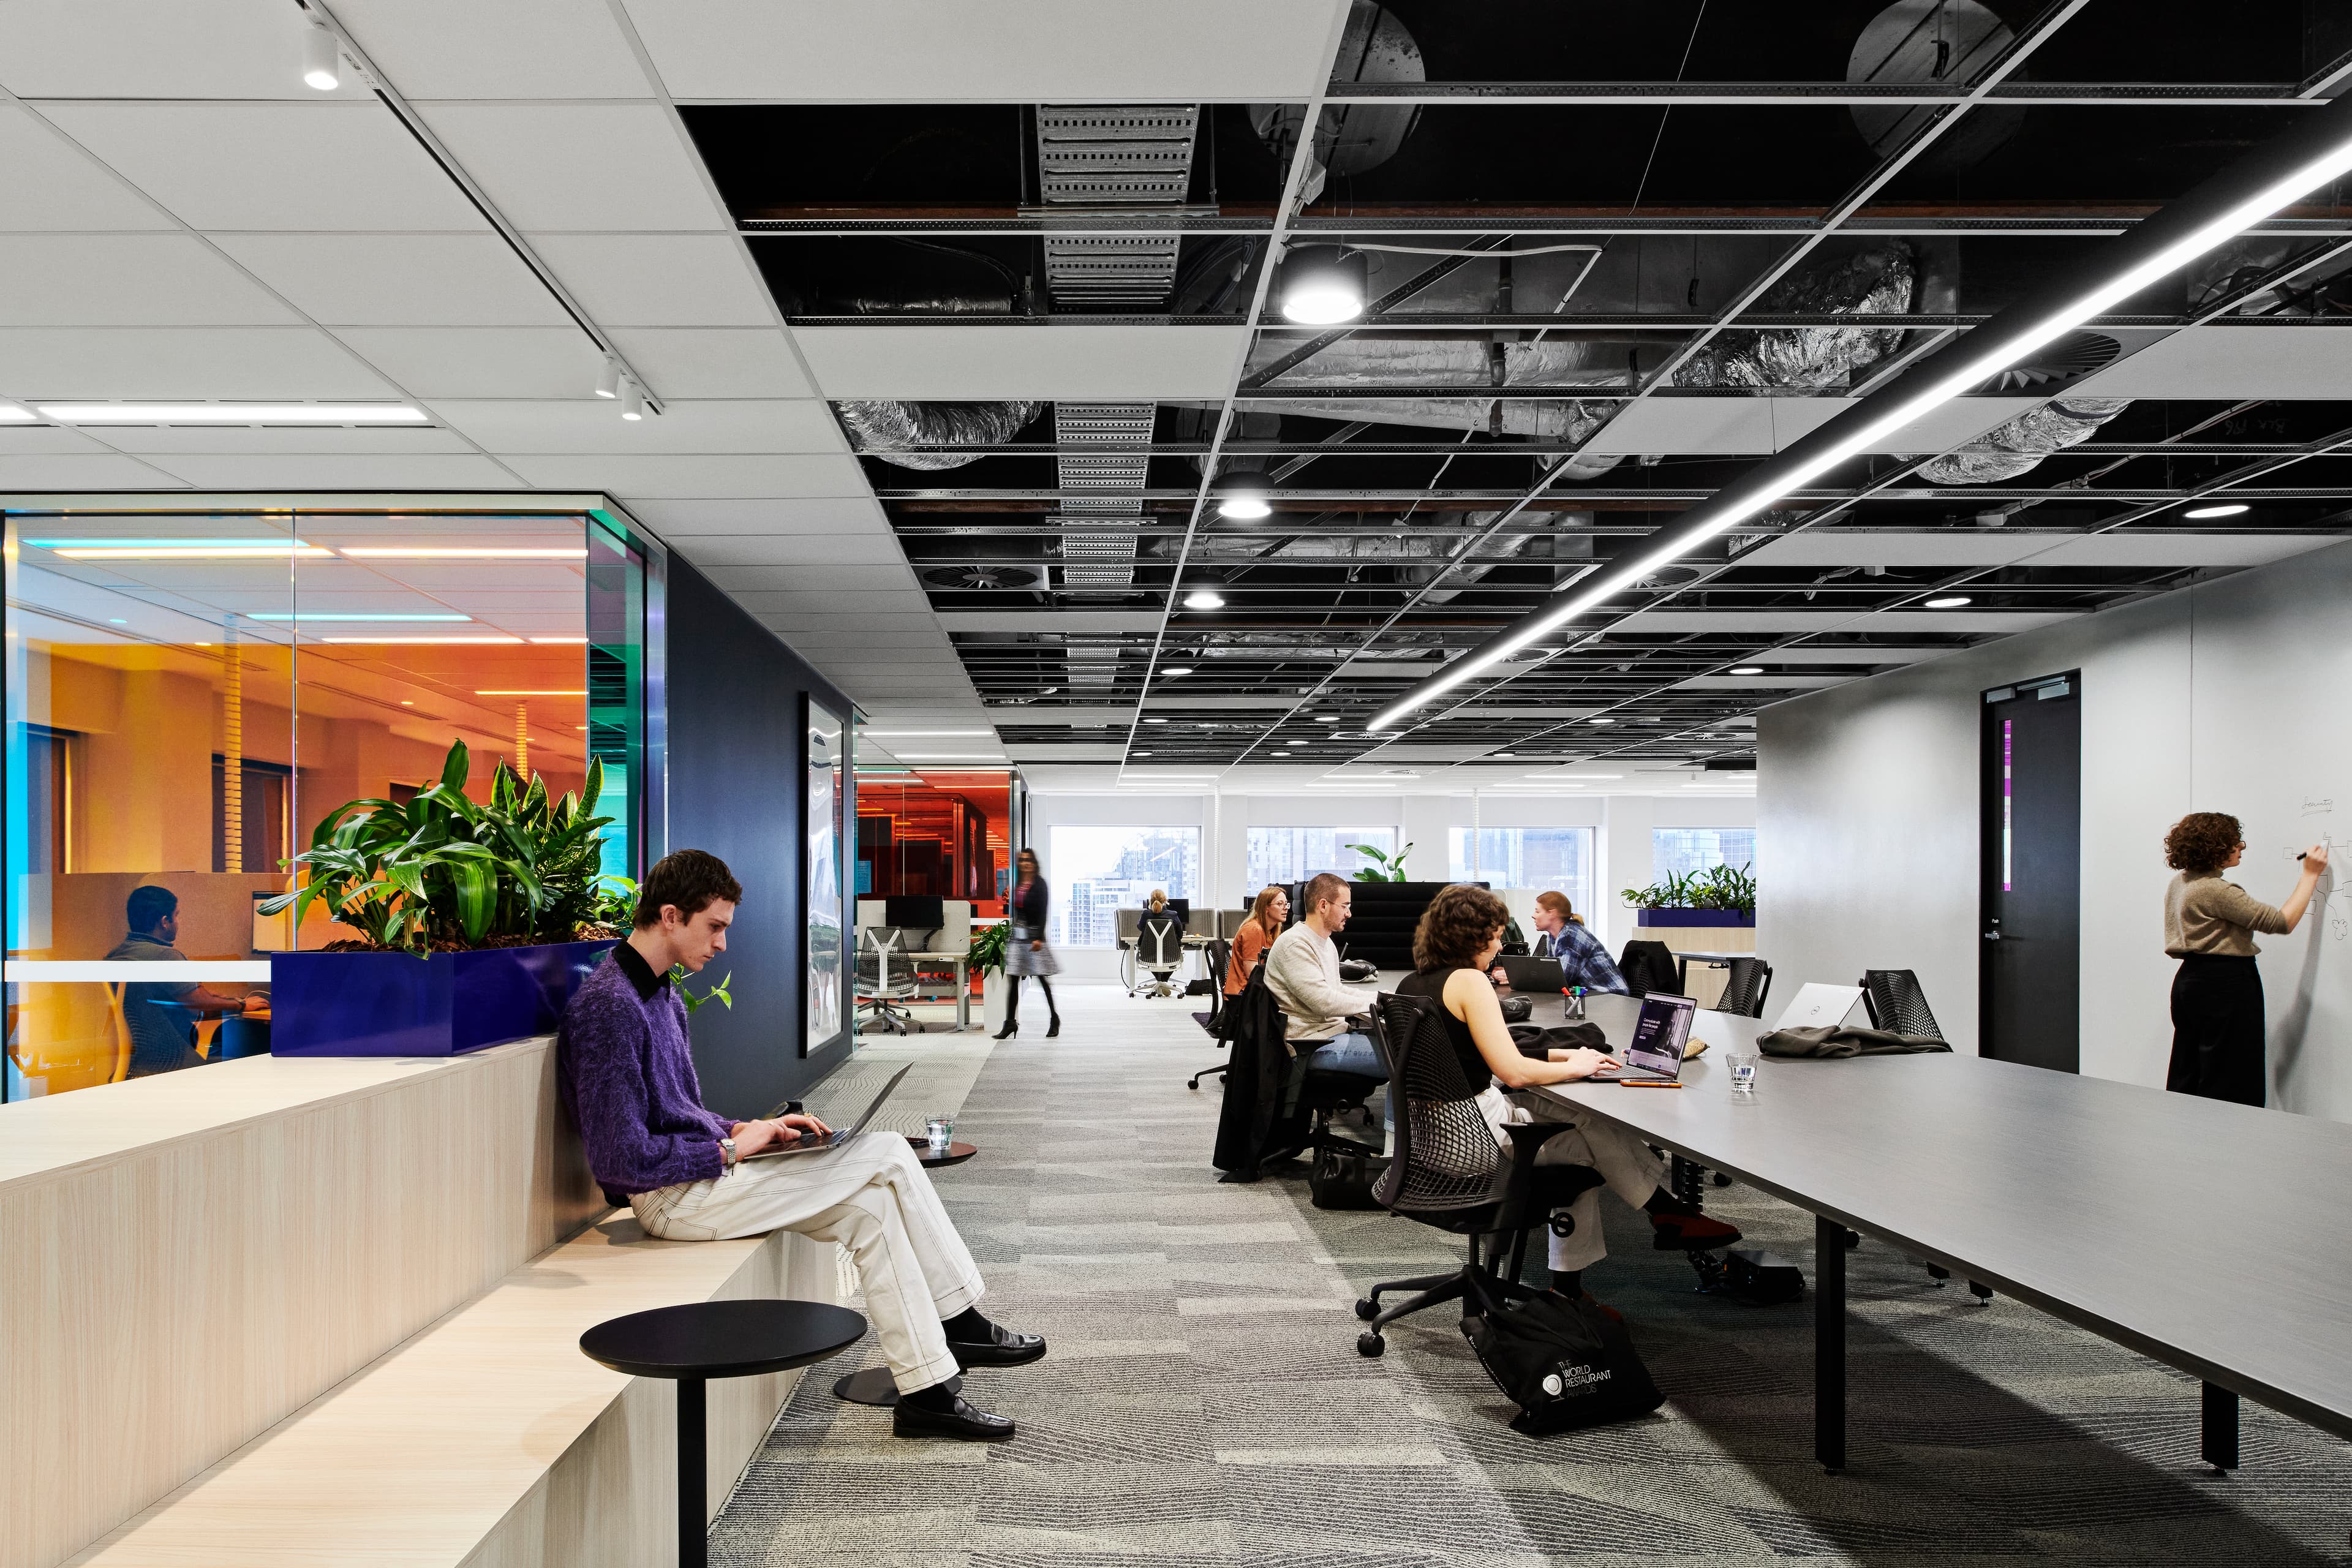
(1660, 1033)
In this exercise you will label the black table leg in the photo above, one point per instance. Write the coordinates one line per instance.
(1829, 1344)
(2220, 1445)
(693, 1475)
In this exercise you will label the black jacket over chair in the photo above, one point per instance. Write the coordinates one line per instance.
(1650, 966)
(1273, 1104)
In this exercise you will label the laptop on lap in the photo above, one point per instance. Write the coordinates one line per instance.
(807, 1145)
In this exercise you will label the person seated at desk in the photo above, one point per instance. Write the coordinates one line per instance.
(1267, 916)
(1453, 949)
(157, 1012)
(1561, 935)
(1302, 970)
(626, 1074)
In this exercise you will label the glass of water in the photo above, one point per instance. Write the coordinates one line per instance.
(940, 1131)
(1743, 1069)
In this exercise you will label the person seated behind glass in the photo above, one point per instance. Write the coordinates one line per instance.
(1561, 935)
(158, 1012)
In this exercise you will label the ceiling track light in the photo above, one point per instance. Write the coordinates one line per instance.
(608, 379)
(322, 61)
(633, 401)
(2316, 151)
(1323, 285)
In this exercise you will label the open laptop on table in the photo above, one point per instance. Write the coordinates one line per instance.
(1664, 1029)
(1534, 975)
(809, 1144)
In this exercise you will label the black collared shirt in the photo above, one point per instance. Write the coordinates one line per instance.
(641, 974)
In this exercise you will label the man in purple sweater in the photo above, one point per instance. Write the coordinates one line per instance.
(627, 1076)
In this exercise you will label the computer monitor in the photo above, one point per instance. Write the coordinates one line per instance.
(918, 911)
(1182, 910)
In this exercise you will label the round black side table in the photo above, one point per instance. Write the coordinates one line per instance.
(931, 1159)
(702, 1340)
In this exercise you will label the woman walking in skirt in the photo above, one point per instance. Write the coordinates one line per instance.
(1025, 952)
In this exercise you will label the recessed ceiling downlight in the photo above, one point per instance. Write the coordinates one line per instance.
(1949, 601)
(2230, 508)
(1322, 284)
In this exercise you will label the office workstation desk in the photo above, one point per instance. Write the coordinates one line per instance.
(2123, 1210)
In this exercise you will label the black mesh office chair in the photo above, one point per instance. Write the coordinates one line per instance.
(1220, 953)
(1159, 949)
(1650, 966)
(1447, 1170)
(1744, 988)
(1896, 1002)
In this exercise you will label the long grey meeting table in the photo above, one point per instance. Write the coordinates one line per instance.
(2214, 1237)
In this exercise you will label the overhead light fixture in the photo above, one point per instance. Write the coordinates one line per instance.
(330, 615)
(461, 553)
(1204, 600)
(1327, 718)
(512, 693)
(234, 414)
(1293, 743)
(633, 401)
(1573, 778)
(546, 641)
(323, 63)
(608, 378)
(1949, 601)
(1323, 284)
(14, 413)
(183, 548)
(1245, 501)
(1155, 720)
(2315, 152)
(947, 757)
(408, 702)
(425, 642)
(1748, 669)
(1176, 670)
(1601, 720)
(2229, 510)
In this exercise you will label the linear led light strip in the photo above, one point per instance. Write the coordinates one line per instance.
(219, 413)
(2319, 151)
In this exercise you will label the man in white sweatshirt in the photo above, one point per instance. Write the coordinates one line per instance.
(1302, 970)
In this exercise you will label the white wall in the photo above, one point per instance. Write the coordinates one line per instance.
(2225, 697)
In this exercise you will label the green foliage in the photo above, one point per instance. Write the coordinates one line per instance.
(443, 870)
(1384, 867)
(616, 901)
(987, 952)
(717, 993)
(1716, 888)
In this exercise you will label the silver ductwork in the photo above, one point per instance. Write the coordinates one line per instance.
(886, 430)
(2008, 451)
(1421, 556)
(1878, 282)
(1357, 137)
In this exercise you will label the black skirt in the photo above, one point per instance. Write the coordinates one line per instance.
(2218, 1029)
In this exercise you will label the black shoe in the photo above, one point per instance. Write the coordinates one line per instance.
(1006, 1033)
(1054, 1026)
(971, 1424)
(1003, 1347)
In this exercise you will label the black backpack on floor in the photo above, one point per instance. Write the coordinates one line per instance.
(1565, 1363)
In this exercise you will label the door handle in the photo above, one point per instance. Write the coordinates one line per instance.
(1993, 936)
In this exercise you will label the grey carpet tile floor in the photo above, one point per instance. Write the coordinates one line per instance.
(1204, 1403)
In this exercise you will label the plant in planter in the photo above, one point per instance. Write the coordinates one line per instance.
(501, 902)
(986, 955)
(1384, 867)
(1720, 895)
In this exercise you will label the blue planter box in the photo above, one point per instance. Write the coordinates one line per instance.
(393, 1005)
(1694, 917)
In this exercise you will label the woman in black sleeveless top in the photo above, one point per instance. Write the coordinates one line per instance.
(1453, 949)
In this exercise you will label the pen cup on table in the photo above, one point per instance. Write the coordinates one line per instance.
(1742, 1060)
(940, 1132)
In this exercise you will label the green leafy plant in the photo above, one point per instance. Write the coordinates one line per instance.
(616, 901)
(446, 871)
(987, 952)
(717, 993)
(1384, 867)
(1716, 888)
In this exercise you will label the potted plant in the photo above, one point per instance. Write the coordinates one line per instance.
(1718, 896)
(476, 923)
(986, 957)
(1384, 867)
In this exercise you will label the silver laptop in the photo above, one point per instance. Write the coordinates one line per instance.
(1817, 1007)
(806, 1145)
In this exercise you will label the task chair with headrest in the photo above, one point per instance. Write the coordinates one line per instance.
(1448, 1172)
(1896, 1003)
(1744, 988)
(1159, 949)
(886, 979)
(1219, 953)
(1650, 966)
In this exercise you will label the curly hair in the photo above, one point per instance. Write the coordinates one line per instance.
(2201, 841)
(1457, 927)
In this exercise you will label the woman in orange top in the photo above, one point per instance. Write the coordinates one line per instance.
(1269, 915)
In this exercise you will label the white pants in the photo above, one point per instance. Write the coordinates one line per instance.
(1626, 1166)
(873, 1197)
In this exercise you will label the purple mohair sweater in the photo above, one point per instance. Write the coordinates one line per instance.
(626, 1075)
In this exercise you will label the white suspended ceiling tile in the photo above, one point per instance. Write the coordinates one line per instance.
(287, 440)
(400, 279)
(856, 550)
(71, 471)
(604, 166)
(715, 362)
(816, 577)
(631, 475)
(1968, 623)
(322, 165)
(588, 423)
(2003, 546)
(47, 183)
(850, 515)
(131, 280)
(765, 600)
(1816, 653)
(787, 622)
(48, 440)
(658, 279)
(158, 48)
(50, 364)
(944, 51)
(481, 361)
(515, 49)
(339, 471)
(1748, 427)
(976, 360)
(2217, 362)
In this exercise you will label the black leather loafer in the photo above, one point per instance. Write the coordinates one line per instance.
(1001, 1348)
(965, 1421)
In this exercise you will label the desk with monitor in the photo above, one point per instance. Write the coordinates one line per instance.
(2118, 1208)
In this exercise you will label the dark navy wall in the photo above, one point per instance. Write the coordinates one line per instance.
(736, 785)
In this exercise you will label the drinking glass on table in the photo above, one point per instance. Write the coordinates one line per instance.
(1742, 1061)
(940, 1131)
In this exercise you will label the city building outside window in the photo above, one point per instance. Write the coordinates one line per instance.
(1555, 859)
(1288, 855)
(1096, 871)
(1679, 851)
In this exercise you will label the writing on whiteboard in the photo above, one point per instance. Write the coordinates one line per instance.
(2317, 808)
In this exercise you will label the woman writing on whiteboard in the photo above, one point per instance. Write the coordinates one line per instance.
(2209, 924)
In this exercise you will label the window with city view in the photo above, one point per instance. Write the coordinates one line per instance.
(1286, 855)
(1679, 851)
(1559, 859)
(1098, 871)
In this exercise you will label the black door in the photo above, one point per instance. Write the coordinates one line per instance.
(2030, 971)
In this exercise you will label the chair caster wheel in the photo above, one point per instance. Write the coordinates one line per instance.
(1368, 1309)
(1370, 1344)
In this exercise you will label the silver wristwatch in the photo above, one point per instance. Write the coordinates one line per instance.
(727, 1152)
